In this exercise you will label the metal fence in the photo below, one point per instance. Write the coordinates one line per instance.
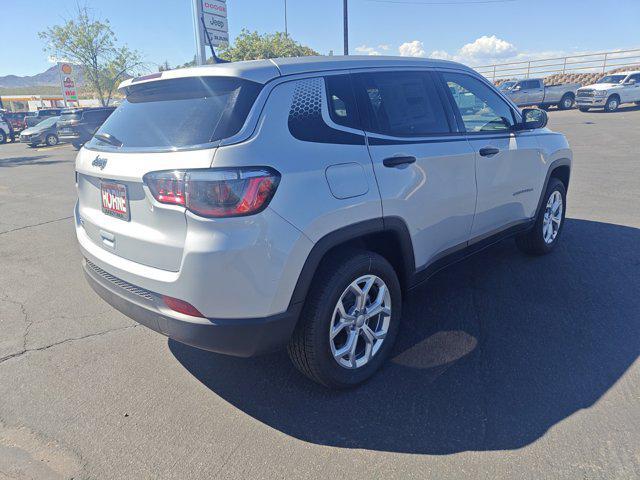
(586, 63)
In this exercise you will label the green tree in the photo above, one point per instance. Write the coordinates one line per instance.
(92, 44)
(254, 46)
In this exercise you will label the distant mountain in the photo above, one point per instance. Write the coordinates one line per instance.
(47, 78)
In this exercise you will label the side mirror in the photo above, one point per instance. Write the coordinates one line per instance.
(533, 118)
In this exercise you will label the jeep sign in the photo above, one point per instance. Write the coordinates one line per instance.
(214, 14)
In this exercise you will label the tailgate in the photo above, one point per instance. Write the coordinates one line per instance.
(117, 213)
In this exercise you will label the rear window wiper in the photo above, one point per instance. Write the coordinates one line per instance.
(108, 138)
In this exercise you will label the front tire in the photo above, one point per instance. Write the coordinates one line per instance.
(51, 140)
(613, 102)
(544, 235)
(3, 137)
(566, 102)
(350, 320)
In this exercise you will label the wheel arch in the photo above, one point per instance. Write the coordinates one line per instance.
(388, 237)
(560, 169)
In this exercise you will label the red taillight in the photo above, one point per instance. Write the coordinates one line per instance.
(215, 192)
(181, 306)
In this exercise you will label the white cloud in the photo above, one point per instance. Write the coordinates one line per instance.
(488, 47)
(386, 48)
(412, 49)
(483, 50)
(364, 50)
(440, 55)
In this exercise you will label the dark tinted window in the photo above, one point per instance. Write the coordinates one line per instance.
(96, 115)
(401, 103)
(342, 103)
(180, 112)
(481, 109)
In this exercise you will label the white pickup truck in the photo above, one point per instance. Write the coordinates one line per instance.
(533, 91)
(610, 92)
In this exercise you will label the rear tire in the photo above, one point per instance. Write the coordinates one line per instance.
(312, 348)
(613, 102)
(3, 137)
(51, 140)
(566, 102)
(583, 109)
(544, 235)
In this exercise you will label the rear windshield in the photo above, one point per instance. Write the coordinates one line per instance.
(179, 113)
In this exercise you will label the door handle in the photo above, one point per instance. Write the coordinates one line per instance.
(488, 151)
(397, 161)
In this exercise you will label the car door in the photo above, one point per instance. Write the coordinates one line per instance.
(518, 93)
(535, 92)
(425, 169)
(509, 165)
(632, 92)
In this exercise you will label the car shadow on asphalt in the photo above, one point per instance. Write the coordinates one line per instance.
(493, 352)
(31, 160)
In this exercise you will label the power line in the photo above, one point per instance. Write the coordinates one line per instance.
(461, 2)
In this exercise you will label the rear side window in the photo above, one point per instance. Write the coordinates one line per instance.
(179, 113)
(480, 108)
(401, 104)
(342, 103)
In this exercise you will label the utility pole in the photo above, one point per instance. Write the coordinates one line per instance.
(286, 30)
(346, 26)
(201, 53)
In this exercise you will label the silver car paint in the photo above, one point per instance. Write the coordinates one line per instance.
(248, 267)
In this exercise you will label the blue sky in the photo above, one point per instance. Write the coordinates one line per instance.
(474, 34)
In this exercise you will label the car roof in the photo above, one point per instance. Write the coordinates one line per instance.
(262, 71)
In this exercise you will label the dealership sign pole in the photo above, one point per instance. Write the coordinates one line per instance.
(67, 83)
(210, 26)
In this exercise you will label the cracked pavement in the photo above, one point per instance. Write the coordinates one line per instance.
(506, 366)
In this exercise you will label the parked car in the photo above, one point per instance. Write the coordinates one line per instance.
(244, 207)
(533, 92)
(34, 118)
(6, 130)
(16, 119)
(610, 92)
(78, 126)
(45, 132)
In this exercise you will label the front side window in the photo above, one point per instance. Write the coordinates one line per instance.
(481, 109)
(402, 104)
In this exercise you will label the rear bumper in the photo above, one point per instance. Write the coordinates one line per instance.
(238, 337)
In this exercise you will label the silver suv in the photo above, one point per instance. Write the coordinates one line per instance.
(245, 207)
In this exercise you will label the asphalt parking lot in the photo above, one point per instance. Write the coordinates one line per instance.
(507, 366)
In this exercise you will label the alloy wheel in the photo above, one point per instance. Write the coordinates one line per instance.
(360, 321)
(552, 217)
